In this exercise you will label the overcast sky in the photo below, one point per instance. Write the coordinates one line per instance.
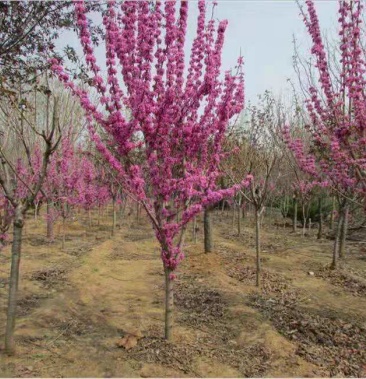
(264, 31)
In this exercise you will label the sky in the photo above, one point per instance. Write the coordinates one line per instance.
(263, 31)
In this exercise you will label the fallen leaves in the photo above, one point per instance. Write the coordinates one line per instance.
(129, 341)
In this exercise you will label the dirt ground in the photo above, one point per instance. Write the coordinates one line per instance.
(78, 307)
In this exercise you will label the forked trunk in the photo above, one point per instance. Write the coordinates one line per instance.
(14, 279)
(169, 304)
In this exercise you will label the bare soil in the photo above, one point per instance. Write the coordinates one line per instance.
(78, 307)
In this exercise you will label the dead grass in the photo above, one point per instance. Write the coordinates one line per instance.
(75, 305)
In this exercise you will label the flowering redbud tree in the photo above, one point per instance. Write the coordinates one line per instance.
(337, 111)
(25, 151)
(168, 147)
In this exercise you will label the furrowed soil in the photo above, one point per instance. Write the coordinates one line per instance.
(95, 308)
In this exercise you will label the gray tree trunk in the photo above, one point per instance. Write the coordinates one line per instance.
(207, 227)
(114, 220)
(194, 229)
(331, 223)
(169, 304)
(320, 227)
(50, 232)
(344, 228)
(239, 217)
(63, 233)
(257, 245)
(294, 221)
(18, 224)
(337, 239)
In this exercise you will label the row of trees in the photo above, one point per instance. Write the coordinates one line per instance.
(170, 132)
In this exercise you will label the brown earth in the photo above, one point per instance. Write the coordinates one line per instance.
(96, 308)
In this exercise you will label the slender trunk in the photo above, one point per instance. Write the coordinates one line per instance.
(337, 241)
(114, 221)
(36, 211)
(63, 233)
(194, 230)
(239, 218)
(257, 245)
(303, 220)
(234, 212)
(99, 215)
(343, 235)
(331, 223)
(320, 228)
(207, 226)
(169, 304)
(90, 218)
(14, 280)
(138, 213)
(50, 234)
(294, 223)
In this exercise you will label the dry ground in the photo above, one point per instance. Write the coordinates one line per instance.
(76, 305)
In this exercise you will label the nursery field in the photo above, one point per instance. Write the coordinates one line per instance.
(95, 308)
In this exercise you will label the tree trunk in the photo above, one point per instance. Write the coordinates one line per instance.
(63, 233)
(50, 233)
(234, 212)
(207, 226)
(138, 213)
(114, 221)
(239, 217)
(257, 245)
(303, 220)
(194, 230)
(294, 221)
(337, 240)
(320, 227)
(169, 304)
(331, 223)
(36, 205)
(14, 279)
(343, 235)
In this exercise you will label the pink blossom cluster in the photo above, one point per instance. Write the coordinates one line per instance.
(151, 109)
(337, 107)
